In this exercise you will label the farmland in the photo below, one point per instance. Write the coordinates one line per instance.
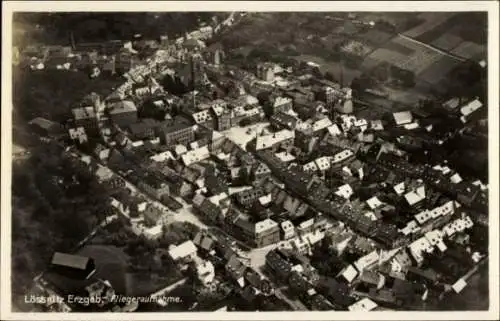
(429, 45)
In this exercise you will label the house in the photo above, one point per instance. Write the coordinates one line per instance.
(363, 305)
(288, 230)
(195, 155)
(281, 139)
(259, 234)
(419, 247)
(236, 270)
(78, 134)
(153, 186)
(205, 271)
(349, 273)
(367, 261)
(152, 214)
(183, 252)
(402, 118)
(260, 171)
(74, 266)
(470, 107)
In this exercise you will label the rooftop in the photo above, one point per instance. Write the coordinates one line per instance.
(123, 106)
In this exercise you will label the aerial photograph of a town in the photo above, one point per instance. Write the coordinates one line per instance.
(250, 161)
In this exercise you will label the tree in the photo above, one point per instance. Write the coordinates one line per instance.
(329, 76)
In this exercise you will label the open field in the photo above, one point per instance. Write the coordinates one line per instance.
(469, 50)
(431, 21)
(468, 26)
(447, 42)
(438, 70)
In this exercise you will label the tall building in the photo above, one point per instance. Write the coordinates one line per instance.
(265, 71)
(85, 117)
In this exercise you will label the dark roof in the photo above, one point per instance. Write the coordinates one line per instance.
(69, 260)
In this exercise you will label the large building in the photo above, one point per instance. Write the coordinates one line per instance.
(177, 133)
(265, 72)
(74, 266)
(123, 113)
(85, 117)
(222, 115)
(259, 234)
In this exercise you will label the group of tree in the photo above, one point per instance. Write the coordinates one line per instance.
(53, 209)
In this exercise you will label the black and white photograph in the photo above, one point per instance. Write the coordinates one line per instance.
(313, 158)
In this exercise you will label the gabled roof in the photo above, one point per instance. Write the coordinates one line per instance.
(403, 117)
(69, 260)
(182, 250)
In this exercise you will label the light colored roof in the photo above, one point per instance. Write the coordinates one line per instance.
(287, 226)
(267, 141)
(349, 273)
(366, 261)
(334, 130)
(434, 236)
(323, 163)
(411, 126)
(416, 196)
(459, 285)
(202, 116)
(374, 202)
(403, 117)
(196, 155)
(371, 215)
(265, 199)
(411, 227)
(377, 125)
(123, 106)
(161, 157)
(180, 149)
(321, 124)
(285, 156)
(345, 191)
(181, 251)
(423, 217)
(471, 107)
(364, 304)
(310, 167)
(343, 155)
(419, 246)
(281, 101)
(455, 179)
(360, 122)
(399, 188)
(265, 225)
(103, 173)
(83, 113)
(306, 224)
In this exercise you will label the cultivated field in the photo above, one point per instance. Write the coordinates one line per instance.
(431, 21)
